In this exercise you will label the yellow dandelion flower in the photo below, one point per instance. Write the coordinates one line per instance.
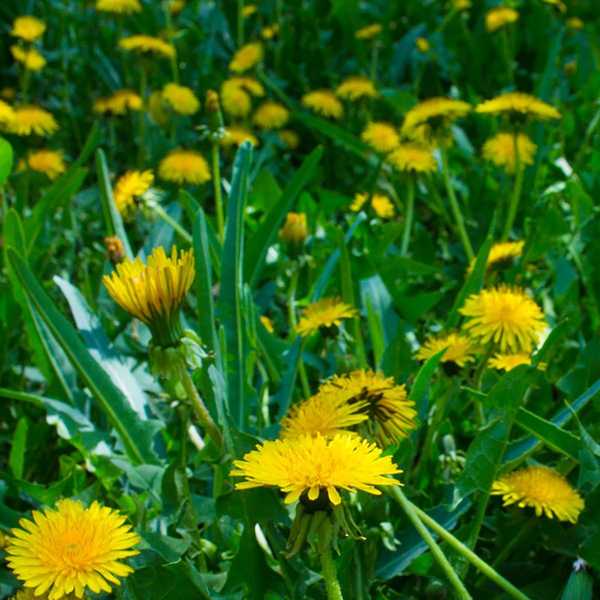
(559, 4)
(30, 119)
(412, 157)
(130, 187)
(500, 150)
(295, 228)
(519, 103)
(461, 5)
(7, 114)
(120, 7)
(382, 206)
(358, 202)
(114, 248)
(119, 103)
(356, 87)
(249, 10)
(497, 18)
(71, 548)
(267, 323)
(459, 348)
(306, 466)
(181, 99)
(157, 109)
(28, 28)
(153, 292)
(235, 135)
(434, 111)
(147, 44)
(542, 489)
(575, 23)
(368, 32)
(246, 57)
(382, 137)
(271, 115)
(290, 138)
(270, 31)
(29, 594)
(423, 45)
(501, 253)
(31, 59)
(184, 166)
(508, 362)
(324, 102)
(236, 95)
(49, 162)
(176, 6)
(504, 316)
(328, 312)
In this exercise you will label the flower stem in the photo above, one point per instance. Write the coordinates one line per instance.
(217, 186)
(164, 215)
(408, 218)
(332, 585)
(516, 195)
(142, 116)
(458, 217)
(240, 22)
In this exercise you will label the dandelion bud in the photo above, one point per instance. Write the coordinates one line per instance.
(295, 230)
(213, 108)
(114, 248)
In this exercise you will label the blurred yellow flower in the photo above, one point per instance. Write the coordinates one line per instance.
(28, 28)
(432, 112)
(236, 135)
(119, 103)
(368, 32)
(146, 44)
(267, 323)
(269, 32)
(382, 137)
(575, 23)
(30, 58)
(49, 162)
(542, 489)
(271, 115)
(176, 6)
(356, 87)
(500, 253)
(423, 45)
(122, 7)
(181, 99)
(307, 466)
(295, 228)
(326, 313)
(461, 4)
(459, 348)
(324, 102)
(290, 138)
(71, 548)
(507, 362)
(501, 150)
(236, 95)
(130, 187)
(499, 17)
(30, 119)
(184, 166)
(7, 113)
(520, 103)
(382, 206)
(246, 57)
(412, 158)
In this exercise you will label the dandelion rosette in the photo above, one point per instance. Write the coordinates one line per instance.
(71, 548)
(459, 349)
(520, 104)
(325, 313)
(184, 166)
(324, 102)
(131, 186)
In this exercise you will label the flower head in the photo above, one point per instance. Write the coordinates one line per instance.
(246, 57)
(49, 162)
(324, 102)
(271, 115)
(575, 23)
(147, 44)
(368, 32)
(356, 87)
(543, 489)
(7, 114)
(30, 58)
(504, 316)
(28, 28)
(184, 166)
(423, 45)
(520, 104)
(30, 119)
(382, 206)
(120, 7)
(131, 186)
(237, 93)
(267, 323)
(508, 362)
(181, 99)
(497, 18)
(501, 150)
(382, 137)
(70, 549)
(153, 292)
(434, 112)
(461, 4)
(412, 158)
(501, 253)
(294, 229)
(270, 31)
(328, 312)
(119, 103)
(459, 348)
(305, 466)
(235, 135)
(290, 138)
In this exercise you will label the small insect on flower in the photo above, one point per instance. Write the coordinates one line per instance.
(295, 229)
(30, 58)
(326, 313)
(459, 349)
(496, 18)
(184, 166)
(119, 103)
(324, 102)
(30, 119)
(355, 88)
(382, 137)
(70, 549)
(305, 466)
(368, 32)
(542, 489)
(412, 158)
(146, 44)
(28, 28)
(246, 57)
(271, 115)
(131, 186)
(505, 317)
(518, 104)
(501, 254)
(181, 99)
(49, 162)
(119, 7)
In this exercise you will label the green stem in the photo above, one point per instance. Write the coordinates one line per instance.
(332, 585)
(162, 213)
(240, 23)
(374, 60)
(415, 518)
(507, 55)
(408, 217)
(516, 195)
(303, 376)
(169, 28)
(458, 217)
(142, 117)
(217, 187)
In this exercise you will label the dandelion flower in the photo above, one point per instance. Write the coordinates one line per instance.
(501, 150)
(184, 166)
(235, 135)
(267, 323)
(358, 202)
(28, 28)
(423, 45)
(7, 114)
(270, 31)
(501, 253)
(412, 157)
(146, 44)
(324, 102)
(271, 115)
(461, 5)
(356, 87)
(575, 23)
(504, 316)
(434, 111)
(31, 59)
(120, 7)
(237, 93)
(368, 32)
(181, 99)
(295, 229)
(305, 466)
(290, 138)
(176, 6)
(382, 206)
(328, 312)
(119, 103)
(131, 186)
(249, 10)
(459, 349)
(382, 137)
(508, 362)
(497, 18)
(246, 57)
(542, 489)
(519, 103)
(71, 548)
(30, 119)
(49, 162)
